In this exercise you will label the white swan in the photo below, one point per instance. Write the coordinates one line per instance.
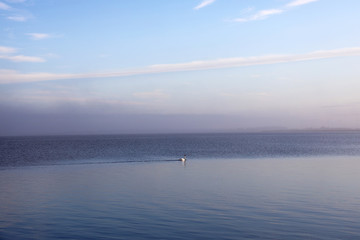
(183, 159)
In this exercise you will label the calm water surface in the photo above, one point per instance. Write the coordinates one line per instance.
(234, 186)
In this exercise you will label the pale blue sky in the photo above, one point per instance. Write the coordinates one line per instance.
(78, 66)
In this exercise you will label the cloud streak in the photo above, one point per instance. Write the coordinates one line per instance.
(11, 76)
(299, 3)
(22, 58)
(204, 4)
(18, 18)
(15, 14)
(260, 15)
(38, 36)
(7, 54)
(16, 1)
(263, 14)
(6, 50)
(4, 6)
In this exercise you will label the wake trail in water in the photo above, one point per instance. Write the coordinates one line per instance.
(107, 162)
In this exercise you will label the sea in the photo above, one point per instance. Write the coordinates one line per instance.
(287, 185)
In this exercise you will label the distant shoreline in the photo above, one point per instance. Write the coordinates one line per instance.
(309, 130)
(235, 131)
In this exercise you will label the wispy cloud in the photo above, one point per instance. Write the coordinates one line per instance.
(11, 76)
(204, 3)
(260, 15)
(4, 6)
(18, 18)
(16, 1)
(8, 54)
(263, 14)
(13, 13)
(38, 36)
(22, 58)
(7, 50)
(299, 3)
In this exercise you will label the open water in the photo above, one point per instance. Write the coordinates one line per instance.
(233, 186)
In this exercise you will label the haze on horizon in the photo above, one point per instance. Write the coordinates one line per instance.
(78, 67)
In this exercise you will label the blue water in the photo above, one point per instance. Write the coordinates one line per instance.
(233, 186)
(25, 151)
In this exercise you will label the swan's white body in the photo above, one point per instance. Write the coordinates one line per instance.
(183, 159)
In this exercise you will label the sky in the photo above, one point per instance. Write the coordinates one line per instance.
(139, 66)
